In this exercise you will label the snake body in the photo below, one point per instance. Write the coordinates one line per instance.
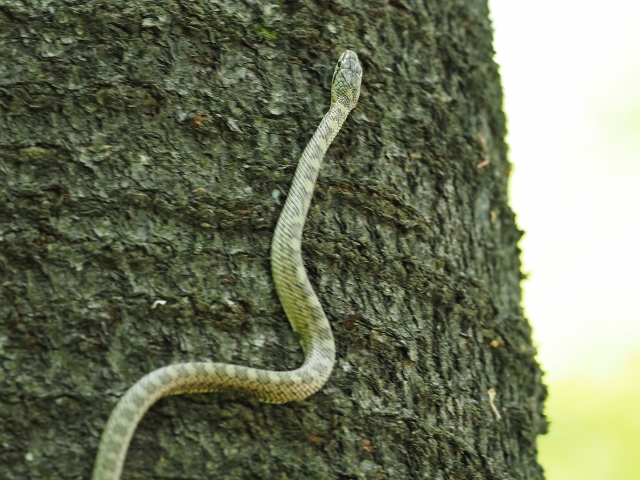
(297, 297)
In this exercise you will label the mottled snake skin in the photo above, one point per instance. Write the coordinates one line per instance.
(298, 299)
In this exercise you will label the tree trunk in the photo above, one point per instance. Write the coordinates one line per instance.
(146, 149)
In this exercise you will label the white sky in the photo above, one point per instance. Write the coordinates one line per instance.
(571, 76)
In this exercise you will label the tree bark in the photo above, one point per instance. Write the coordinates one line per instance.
(146, 149)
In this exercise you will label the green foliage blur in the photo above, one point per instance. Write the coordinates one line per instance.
(595, 427)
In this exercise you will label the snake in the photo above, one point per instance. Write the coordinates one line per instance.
(299, 302)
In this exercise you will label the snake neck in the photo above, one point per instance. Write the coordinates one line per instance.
(296, 294)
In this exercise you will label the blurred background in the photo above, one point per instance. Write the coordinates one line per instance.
(571, 77)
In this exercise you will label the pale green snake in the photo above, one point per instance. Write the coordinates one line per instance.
(298, 299)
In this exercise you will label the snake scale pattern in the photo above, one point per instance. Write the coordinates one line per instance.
(297, 297)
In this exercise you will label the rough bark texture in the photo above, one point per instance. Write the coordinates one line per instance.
(146, 148)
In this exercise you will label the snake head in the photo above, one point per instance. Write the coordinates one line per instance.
(345, 86)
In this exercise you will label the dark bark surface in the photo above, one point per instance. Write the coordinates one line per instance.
(145, 151)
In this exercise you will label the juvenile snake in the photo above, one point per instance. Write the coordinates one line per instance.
(298, 299)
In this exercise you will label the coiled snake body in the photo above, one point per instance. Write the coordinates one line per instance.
(298, 299)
